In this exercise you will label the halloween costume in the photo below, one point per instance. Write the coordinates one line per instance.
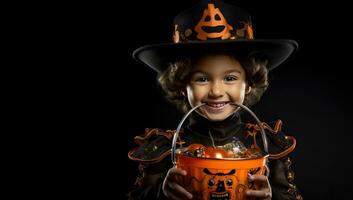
(154, 153)
(215, 26)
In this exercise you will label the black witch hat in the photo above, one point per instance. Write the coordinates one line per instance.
(213, 25)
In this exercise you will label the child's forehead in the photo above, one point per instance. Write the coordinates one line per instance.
(214, 57)
(217, 64)
(224, 60)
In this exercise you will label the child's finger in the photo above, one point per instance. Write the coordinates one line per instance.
(258, 193)
(172, 196)
(257, 177)
(173, 171)
(176, 188)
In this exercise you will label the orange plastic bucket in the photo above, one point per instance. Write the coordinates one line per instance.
(218, 178)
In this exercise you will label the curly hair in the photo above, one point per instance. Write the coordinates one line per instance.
(175, 78)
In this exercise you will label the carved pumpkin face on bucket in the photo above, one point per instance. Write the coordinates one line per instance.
(213, 25)
(219, 185)
(211, 178)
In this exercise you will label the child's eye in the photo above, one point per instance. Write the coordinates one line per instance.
(201, 79)
(230, 78)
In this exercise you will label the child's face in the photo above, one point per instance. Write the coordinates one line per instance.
(217, 80)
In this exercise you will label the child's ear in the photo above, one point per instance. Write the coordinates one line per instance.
(248, 89)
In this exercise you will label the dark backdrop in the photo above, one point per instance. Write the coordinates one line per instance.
(118, 97)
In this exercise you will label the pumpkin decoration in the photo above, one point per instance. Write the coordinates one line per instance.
(213, 25)
(209, 178)
(215, 173)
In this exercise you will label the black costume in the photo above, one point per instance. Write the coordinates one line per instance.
(213, 26)
(154, 153)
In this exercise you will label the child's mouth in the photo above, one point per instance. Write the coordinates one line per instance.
(216, 106)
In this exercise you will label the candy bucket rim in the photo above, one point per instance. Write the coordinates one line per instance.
(225, 159)
(218, 164)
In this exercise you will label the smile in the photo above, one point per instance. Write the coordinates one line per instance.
(216, 107)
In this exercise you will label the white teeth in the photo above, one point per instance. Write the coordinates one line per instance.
(217, 105)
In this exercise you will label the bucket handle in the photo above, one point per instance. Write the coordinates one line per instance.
(176, 135)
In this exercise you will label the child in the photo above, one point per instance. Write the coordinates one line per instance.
(216, 61)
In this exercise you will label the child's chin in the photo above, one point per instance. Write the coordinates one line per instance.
(218, 117)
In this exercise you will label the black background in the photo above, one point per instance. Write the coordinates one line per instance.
(113, 98)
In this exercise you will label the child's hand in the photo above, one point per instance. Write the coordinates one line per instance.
(171, 188)
(262, 185)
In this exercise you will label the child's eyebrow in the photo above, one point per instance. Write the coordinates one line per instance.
(225, 72)
(199, 71)
(232, 70)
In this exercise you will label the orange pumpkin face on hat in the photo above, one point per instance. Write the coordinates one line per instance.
(214, 25)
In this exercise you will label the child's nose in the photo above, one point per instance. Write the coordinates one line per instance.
(216, 90)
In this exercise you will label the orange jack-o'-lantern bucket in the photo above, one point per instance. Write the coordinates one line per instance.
(214, 175)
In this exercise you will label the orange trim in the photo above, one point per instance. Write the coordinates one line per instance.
(287, 151)
(148, 133)
(277, 128)
(253, 135)
(151, 161)
(140, 140)
(256, 129)
(155, 131)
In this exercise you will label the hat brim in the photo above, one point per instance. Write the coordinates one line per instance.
(159, 56)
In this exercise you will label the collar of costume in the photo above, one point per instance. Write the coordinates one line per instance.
(221, 131)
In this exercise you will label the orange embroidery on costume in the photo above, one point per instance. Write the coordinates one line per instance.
(141, 140)
(253, 129)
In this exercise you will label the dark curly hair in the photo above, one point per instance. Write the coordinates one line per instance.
(175, 78)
